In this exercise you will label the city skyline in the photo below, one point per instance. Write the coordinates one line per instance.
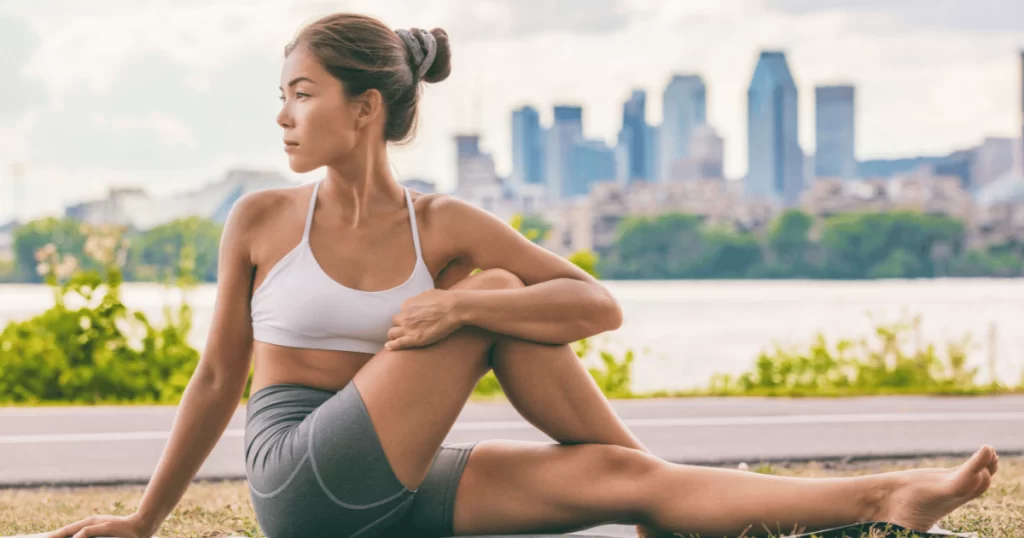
(118, 93)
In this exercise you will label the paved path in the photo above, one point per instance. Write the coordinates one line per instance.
(122, 444)
(110, 444)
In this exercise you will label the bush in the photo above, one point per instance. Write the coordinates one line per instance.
(88, 347)
(881, 365)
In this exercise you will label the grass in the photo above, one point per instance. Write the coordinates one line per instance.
(211, 509)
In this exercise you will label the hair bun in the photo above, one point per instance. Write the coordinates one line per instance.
(441, 67)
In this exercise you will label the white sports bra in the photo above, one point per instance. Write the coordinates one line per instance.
(299, 305)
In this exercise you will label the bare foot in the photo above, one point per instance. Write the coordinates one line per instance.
(919, 498)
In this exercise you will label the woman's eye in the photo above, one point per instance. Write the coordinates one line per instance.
(300, 94)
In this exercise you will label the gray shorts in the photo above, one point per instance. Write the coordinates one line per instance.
(316, 467)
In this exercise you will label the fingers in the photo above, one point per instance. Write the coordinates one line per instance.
(103, 529)
(69, 530)
(395, 332)
(399, 343)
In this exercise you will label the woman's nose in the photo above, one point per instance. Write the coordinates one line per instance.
(284, 119)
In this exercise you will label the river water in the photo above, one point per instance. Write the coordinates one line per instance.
(684, 331)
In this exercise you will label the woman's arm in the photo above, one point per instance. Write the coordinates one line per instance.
(215, 389)
(561, 303)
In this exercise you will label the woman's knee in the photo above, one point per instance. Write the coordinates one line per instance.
(624, 462)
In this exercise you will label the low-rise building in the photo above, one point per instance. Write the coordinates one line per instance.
(135, 208)
(920, 191)
(591, 223)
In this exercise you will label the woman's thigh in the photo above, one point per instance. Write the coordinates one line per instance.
(315, 465)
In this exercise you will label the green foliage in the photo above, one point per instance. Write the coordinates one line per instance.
(789, 245)
(676, 245)
(888, 363)
(157, 253)
(586, 260)
(726, 254)
(976, 263)
(8, 271)
(900, 244)
(613, 375)
(65, 234)
(88, 347)
(533, 227)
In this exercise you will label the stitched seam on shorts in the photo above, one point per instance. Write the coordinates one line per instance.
(449, 494)
(378, 520)
(323, 485)
(286, 482)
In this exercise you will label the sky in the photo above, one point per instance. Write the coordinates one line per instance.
(169, 94)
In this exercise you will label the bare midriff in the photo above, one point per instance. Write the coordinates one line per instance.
(318, 368)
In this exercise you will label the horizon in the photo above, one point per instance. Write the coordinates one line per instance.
(159, 94)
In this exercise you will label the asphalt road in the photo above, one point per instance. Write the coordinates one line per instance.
(74, 445)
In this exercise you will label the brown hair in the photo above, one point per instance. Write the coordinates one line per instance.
(363, 53)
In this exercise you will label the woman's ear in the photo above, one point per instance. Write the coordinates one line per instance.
(370, 106)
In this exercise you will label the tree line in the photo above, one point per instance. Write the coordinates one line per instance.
(900, 244)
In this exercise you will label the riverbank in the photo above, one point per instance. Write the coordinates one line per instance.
(685, 332)
(223, 508)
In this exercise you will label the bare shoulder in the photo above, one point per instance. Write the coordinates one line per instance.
(463, 227)
(444, 209)
(256, 212)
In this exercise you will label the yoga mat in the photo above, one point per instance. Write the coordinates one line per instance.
(848, 531)
(861, 530)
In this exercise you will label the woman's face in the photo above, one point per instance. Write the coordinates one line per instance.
(320, 124)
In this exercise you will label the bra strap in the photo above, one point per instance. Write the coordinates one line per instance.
(309, 212)
(412, 222)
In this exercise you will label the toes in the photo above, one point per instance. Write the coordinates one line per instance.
(994, 465)
(980, 460)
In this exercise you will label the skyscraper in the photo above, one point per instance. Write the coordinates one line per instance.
(685, 107)
(527, 147)
(653, 153)
(594, 161)
(633, 136)
(775, 160)
(565, 131)
(473, 168)
(707, 156)
(1022, 110)
(834, 132)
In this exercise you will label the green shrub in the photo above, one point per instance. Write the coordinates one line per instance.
(88, 347)
(880, 365)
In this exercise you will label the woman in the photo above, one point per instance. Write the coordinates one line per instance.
(355, 299)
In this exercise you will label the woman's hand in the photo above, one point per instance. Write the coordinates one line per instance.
(423, 320)
(115, 526)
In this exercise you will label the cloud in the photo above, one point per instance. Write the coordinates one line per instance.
(959, 15)
(481, 20)
(19, 92)
(166, 91)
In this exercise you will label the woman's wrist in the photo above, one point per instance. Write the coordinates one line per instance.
(461, 308)
(147, 526)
